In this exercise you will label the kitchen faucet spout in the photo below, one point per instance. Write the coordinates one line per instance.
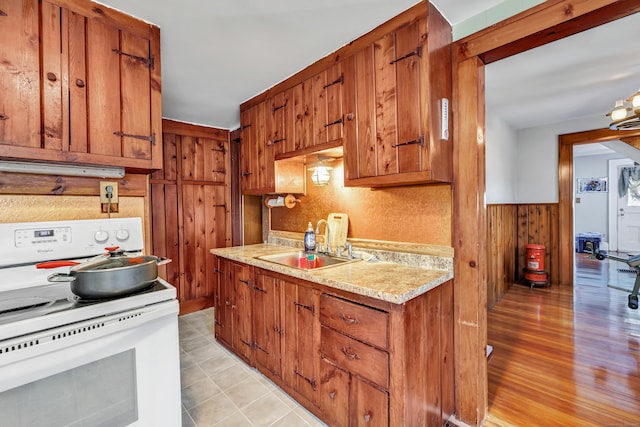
(328, 242)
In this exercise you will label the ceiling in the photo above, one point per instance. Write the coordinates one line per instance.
(217, 54)
(575, 77)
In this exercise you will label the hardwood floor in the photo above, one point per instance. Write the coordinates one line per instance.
(564, 358)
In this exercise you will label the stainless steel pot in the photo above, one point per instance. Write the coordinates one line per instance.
(109, 276)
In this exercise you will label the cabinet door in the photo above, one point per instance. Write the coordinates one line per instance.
(391, 101)
(266, 323)
(225, 316)
(257, 157)
(328, 119)
(97, 95)
(242, 311)
(333, 393)
(369, 406)
(19, 73)
(303, 114)
(300, 355)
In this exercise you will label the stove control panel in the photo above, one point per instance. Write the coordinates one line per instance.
(32, 242)
(40, 236)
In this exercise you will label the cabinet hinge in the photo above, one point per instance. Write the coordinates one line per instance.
(309, 380)
(2, 13)
(306, 307)
(256, 345)
(217, 270)
(246, 282)
(415, 141)
(274, 109)
(151, 138)
(148, 62)
(275, 141)
(219, 171)
(335, 82)
(220, 150)
(339, 121)
(3, 116)
(223, 205)
(418, 52)
(248, 344)
(264, 291)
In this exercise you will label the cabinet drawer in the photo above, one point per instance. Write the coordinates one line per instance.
(354, 356)
(363, 323)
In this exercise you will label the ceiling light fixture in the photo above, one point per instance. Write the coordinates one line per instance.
(626, 113)
(321, 173)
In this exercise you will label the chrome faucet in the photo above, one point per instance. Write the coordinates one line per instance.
(328, 242)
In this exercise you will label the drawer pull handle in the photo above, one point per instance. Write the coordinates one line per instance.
(349, 353)
(367, 417)
(349, 319)
(332, 395)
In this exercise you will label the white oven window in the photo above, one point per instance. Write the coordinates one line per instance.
(101, 393)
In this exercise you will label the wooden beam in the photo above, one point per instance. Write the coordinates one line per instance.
(132, 185)
(469, 242)
(542, 24)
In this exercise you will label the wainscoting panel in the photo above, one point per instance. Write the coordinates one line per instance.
(510, 228)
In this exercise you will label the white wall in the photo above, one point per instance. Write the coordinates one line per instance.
(591, 209)
(522, 166)
(537, 164)
(501, 159)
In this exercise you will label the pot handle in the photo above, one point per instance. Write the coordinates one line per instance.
(56, 264)
(61, 277)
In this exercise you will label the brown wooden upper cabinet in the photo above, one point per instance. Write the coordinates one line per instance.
(80, 84)
(394, 89)
(304, 118)
(381, 97)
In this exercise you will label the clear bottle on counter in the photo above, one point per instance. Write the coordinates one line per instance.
(309, 239)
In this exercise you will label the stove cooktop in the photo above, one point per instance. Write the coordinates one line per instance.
(37, 308)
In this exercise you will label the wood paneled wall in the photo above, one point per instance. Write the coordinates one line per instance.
(509, 229)
(191, 202)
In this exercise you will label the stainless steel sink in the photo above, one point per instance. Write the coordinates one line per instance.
(300, 259)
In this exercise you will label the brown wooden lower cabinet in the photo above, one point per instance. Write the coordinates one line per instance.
(349, 359)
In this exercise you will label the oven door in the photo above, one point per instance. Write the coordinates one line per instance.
(117, 370)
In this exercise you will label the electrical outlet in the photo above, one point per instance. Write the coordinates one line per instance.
(108, 188)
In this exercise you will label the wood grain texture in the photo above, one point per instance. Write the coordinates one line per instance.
(193, 195)
(566, 355)
(539, 25)
(469, 223)
(502, 251)
(20, 74)
(417, 214)
(509, 229)
(52, 77)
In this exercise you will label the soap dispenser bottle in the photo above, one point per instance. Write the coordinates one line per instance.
(309, 239)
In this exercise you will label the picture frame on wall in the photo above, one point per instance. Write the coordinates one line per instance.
(592, 185)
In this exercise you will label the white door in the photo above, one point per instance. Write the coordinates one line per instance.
(629, 217)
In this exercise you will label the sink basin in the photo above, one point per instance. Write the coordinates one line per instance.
(297, 260)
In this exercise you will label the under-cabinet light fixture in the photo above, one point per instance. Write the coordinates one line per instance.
(65, 170)
(321, 173)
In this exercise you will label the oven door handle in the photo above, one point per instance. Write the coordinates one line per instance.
(56, 264)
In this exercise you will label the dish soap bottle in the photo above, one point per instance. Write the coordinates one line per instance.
(309, 239)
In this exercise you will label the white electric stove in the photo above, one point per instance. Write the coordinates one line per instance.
(68, 361)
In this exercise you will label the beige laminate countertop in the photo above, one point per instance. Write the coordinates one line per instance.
(390, 282)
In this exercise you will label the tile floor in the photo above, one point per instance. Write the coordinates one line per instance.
(218, 389)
